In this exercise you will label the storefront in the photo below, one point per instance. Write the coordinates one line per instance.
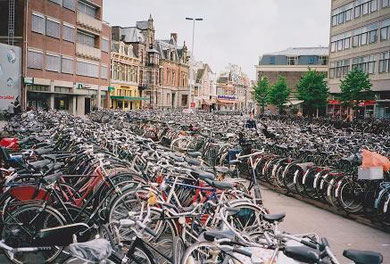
(366, 109)
(383, 108)
(226, 102)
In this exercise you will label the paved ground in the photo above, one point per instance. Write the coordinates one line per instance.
(342, 233)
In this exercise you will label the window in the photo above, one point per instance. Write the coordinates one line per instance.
(35, 60)
(348, 15)
(292, 60)
(374, 6)
(357, 11)
(52, 28)
(87, 69)
(85, 39)
(365, 8)
(384, 62)
(385, 3)
(334, 20)
(38, 23)
(105, 45)
(339, 69)
(70, 4)
(363, 40)
(56, 1)
(272, 60)
(323, 60)
(311, 60)
(104, 72)
(373, 36)
(366, 64)
(347, 43)
(53, 63)
(333, 47)
(68, 33)
(87, 9)
(339, 45)
(355, 42)
(67, 65)
(385, 33)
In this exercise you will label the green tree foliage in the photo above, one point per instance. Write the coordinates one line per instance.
(313, 90)
(355, 88)
(260, 92)
(279, 93)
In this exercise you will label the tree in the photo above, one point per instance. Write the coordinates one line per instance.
(313, 90)
(279, 93)
(355, 88)
(260, 92)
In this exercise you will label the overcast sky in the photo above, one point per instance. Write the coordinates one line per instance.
(233, 31)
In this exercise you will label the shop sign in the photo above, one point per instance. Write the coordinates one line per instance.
(10, 72)
(226, 97)
(111, 89)
(28, 80)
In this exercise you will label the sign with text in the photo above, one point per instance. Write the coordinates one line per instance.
(226, 97)
(192, 105)
(10, 74)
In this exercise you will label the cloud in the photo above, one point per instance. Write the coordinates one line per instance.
(233, 31)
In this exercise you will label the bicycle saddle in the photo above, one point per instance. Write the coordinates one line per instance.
(221, 169)
(203, 175)
(194, 162)
(96, 250)
(274, 217)
(195, 154)
(41, 151)
(219, 185)
(211, 235)
(53, 177)
(363, 257)
(37, 165)
(302, 253)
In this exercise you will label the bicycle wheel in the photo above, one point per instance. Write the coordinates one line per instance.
(350, 196)
(21, 227)
(178, 250)
(248, 219)
(204, 252)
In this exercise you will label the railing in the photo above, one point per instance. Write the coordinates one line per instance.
(89, 22)
(88, 52)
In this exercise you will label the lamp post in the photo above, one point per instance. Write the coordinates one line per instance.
(192, 56)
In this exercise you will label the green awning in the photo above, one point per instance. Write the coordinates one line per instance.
(130, 98)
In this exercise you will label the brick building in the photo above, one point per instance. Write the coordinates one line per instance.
(233, 88)
(173, 74)
(360, 37)
(66, 54)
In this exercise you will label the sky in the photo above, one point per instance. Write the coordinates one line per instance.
(233, 31)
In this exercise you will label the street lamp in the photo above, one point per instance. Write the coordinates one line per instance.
(192, 56)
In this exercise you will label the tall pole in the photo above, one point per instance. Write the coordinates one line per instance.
(192, 81)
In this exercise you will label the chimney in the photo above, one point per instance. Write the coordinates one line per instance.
(174, 36)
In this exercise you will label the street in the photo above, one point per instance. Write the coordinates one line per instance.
(341, 232)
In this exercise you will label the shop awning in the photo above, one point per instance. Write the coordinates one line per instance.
(368, 102)
(294, 102)
(130, 98)
(221, 101)
(334, 102)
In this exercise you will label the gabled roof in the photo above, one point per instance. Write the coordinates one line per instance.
(142, 25)
(302, 51)
(131, 34)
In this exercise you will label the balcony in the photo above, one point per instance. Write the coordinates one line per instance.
(88, 52)
(89, 22)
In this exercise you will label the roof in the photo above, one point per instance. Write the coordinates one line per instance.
(302, 51)
(131, 34)
(142, 24)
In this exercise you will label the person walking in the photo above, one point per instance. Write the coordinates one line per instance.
(251, 123)
(17, 107)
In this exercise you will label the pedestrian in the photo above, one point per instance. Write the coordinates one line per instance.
(11, 110)
(251, 123)
(17, 107)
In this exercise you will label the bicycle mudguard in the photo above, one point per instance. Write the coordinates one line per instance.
(379, 198)
(61, 235)
(29, 193)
